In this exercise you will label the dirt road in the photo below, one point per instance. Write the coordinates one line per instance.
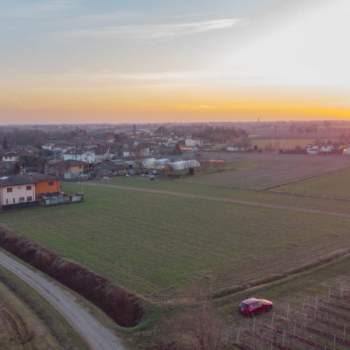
(91, 330)
(223, 200)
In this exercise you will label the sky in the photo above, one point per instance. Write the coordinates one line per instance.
(90, 61)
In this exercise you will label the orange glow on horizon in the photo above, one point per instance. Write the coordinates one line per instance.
(140, 104)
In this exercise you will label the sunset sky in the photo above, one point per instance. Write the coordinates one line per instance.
(165, 60)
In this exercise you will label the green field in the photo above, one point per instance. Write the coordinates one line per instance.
(156, 243)
(264, 197)
(333, 185)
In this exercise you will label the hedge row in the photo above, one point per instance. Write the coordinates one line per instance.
(123, 307)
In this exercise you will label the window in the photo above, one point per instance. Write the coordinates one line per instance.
(21, 199)
(13, 200)
(29, 188)
(7, 201)
(29, 198)
(9, 189)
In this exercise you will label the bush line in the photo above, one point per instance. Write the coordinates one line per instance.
(123, 307)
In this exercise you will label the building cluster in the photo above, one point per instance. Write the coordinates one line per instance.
(82, 155)
(135, 153)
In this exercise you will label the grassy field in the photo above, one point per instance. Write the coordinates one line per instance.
(334, 185)
(264, 197)
(266, 170)
(154, 244)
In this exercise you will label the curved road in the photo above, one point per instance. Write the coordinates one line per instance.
(90, 329)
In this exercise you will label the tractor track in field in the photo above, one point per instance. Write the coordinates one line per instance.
(223, 200)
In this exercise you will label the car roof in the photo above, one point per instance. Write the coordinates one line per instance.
(250, 301)
(254, 300)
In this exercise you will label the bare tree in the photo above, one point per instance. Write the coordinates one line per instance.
(198, 327)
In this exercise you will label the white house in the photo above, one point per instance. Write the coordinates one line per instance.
(126, 154)
(87, 157)
(185, 164)
(16, 190)
(10, 157)
(326, 149)
(189, 142)
(149, 163)
(48, 147)
(153, 163)
(313, 150)
(101, 155)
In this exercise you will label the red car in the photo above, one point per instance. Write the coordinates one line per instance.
(254, 306)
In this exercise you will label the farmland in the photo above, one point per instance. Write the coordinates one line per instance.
(155, 243)
(319, 322)
(263, 171)
(221, 193)
(334, 185)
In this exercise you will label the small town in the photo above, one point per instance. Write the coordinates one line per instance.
(174, 175)
(81, 153)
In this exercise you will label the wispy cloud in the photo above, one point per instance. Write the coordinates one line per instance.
(159, 31)
(161, 76)
(130, 77)
(41, 9)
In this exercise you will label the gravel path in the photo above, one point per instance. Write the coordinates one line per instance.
(90, 329)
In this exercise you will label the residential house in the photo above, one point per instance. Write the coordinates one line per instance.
(109, 138)
(81, 156)
(69, 169)
(110, 168)
(155, 164)
(142, 150)
(126, 154)
(46, 185)
(10, 157)
(17, 190)
(189, 142)
(183, 167)
(102, 154)
(313, 150)
(327, 149)
(48, 147)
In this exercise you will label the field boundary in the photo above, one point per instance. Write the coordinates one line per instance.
(281, 277)
(300, 195)
(223, 200)
(272, 188)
